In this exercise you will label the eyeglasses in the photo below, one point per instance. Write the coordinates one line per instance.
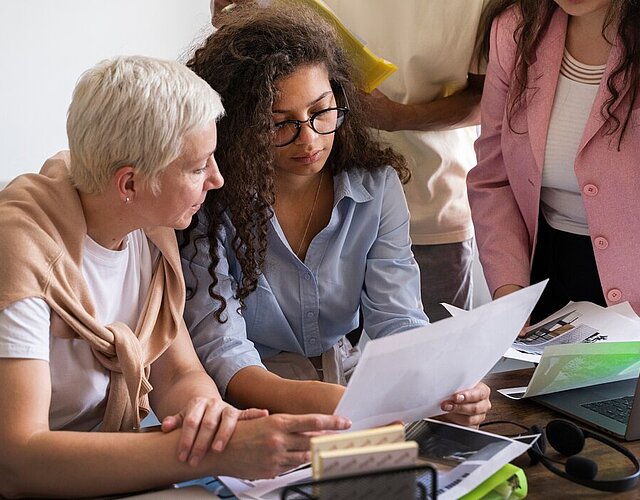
(324, 122)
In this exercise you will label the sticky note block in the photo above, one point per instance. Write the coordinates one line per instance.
(335, 463)
(349, 440)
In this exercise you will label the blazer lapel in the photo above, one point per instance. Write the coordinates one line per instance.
(542, 81)
(596, 121)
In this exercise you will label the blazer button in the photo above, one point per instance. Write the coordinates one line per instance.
(590, 189)
(601, 243)
(614, 295)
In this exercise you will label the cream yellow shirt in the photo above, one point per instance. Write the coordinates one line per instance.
(431, 42)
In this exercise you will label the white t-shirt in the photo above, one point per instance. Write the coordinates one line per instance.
(118, 282)
(432, 44)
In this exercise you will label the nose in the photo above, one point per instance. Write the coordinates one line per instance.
(306, 133)
(214, 179)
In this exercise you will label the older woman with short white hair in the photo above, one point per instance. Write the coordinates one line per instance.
(92, 295)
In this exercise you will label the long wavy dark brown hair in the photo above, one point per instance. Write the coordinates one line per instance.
(534, 21)
(243, 60)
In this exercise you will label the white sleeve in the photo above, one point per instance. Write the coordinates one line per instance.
(24, 329)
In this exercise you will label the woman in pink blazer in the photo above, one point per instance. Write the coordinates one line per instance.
(555, 193)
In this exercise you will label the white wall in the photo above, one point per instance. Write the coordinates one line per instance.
(46, 44)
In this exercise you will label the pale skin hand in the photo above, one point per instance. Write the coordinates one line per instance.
(272, 445)
(185, 397)
(206, 424)
(72, 464)
(468, 407)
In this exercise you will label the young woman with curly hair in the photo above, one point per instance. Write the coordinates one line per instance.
(554, 192)
(310, 231)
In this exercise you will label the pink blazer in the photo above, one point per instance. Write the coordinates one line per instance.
(504, 187)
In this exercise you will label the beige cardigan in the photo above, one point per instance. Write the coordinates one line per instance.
(43, 229)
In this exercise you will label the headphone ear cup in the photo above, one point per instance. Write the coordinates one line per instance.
(581, 468)
(565, 437)
(538, 448)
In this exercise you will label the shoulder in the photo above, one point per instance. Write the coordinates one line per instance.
(509, 20)
(365, 185)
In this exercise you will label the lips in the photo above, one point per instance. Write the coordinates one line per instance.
(309, 157)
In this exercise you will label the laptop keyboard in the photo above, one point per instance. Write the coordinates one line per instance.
(618, 409)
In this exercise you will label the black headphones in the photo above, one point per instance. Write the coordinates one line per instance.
(568, 439)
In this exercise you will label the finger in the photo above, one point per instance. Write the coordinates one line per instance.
(470, 408)
(252, 413)
(171, 423)
(315, 422)
(208, 427)
(226, 425)
(466, 420)
(190, 425)
(480, 392)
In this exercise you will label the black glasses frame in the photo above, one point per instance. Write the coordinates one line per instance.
(298, 123)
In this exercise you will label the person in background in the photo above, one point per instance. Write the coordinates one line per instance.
(554, 192)
(92, 295)
(427, 111)
(311, 227)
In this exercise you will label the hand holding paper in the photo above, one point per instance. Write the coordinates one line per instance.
(404, 377)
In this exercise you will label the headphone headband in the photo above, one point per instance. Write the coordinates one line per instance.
(580, 465)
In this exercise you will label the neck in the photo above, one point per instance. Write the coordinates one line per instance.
(106, 220)
(287, 183)
(585, 40)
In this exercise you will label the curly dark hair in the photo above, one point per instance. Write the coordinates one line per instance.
(535, 18)
(243, 60)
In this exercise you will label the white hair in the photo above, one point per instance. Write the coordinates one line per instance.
(134, 110)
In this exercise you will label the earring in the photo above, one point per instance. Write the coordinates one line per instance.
(127, 200)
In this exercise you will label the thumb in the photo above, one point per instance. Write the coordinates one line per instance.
(171, 422)
(252, 413)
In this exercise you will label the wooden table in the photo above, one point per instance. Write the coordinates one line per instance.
(542, 482)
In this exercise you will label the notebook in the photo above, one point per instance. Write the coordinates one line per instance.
(613, 408)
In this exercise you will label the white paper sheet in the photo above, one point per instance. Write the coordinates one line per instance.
(595, 323)
(405, 377)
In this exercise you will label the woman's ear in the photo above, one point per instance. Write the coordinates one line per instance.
(125, 183)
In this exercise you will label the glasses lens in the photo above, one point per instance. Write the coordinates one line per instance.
(325, 121)
(285, 133)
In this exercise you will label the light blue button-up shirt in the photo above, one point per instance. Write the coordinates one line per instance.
(361, 259)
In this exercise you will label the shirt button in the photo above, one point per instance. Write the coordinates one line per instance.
(312, 341)
(310, 314)
(614, 295)
(307, 276)
(601, 243)
(590, 189)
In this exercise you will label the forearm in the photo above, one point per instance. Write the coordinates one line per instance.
(70, 464)
(447, 113)
(256, 387)
(184, 387)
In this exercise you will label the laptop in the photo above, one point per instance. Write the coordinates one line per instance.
(613, 408)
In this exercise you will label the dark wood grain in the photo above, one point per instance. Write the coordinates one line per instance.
(543, 483)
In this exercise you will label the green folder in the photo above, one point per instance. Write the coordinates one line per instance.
(508, 483)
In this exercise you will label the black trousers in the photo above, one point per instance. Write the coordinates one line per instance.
(567, 260)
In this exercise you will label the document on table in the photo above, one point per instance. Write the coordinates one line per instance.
(572, 366)
(577, 322)
(405, 377)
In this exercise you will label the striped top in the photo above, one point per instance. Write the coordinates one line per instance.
(579, 72)
(561, 199)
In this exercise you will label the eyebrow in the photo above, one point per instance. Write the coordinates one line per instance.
(322, 96)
